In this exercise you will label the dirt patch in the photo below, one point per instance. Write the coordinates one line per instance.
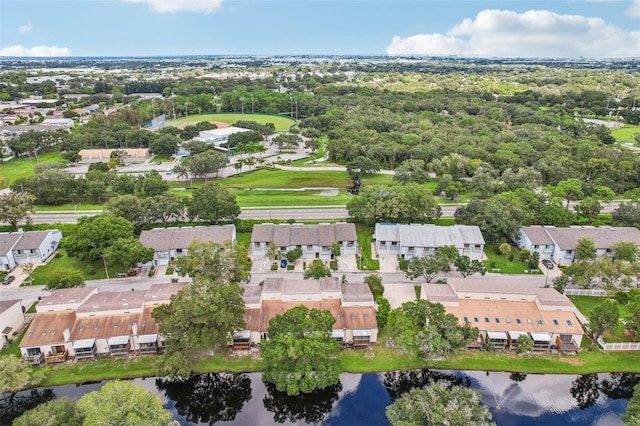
(572, 360)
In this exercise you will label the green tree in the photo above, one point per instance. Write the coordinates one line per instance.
(505, 249)
(466, 267)
(569, 189)
(164, 144)
(126, 206)
(151, 184)
(411, 171)
(123, 403)
(300, 354)
(163, 208)
(16, 206)
(585, 250)
(213, 203)
(127, 252)
(64, 278)
(425, 330)
(632, 416)
(590, 207)
(94, 234)
(218, 262)
(525, 343)
(627, 214)
(18, 375)
(202, 165)
(374, 281)
(632, 321)
(200, 318)
(293, 255)
(317, 270)
(437, 404)
(362, 166)
(499, 217)
(60, 411)
(384, 309)
(625, 250)
(272, 251)
(124, 184)
(602, 319)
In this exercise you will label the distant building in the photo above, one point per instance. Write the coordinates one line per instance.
(559, 244)
(58, 122)
(413, 240)
(219, 136)
(133, 155)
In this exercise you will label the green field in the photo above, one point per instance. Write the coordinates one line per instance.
(625, 134)
(585, 304)
(23, 168)
(501, 262)
(282, 123)
(273, 198)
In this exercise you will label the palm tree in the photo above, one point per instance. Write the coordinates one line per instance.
(505, 249)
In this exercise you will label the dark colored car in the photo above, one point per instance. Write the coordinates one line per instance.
(547, 263)
(8, 279)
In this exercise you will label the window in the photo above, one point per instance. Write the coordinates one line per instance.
(475, 319)
(540, 322)
(309, 247)
(569, 323)
(466, 319)
(178, 250)
(536, 247)
(283, 249)
(529, 321)
(556, 322)
(486, 319)
(394, 243)
(497, 319)
(411, 248)
(518, 321)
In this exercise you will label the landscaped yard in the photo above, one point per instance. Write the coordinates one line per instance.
(498, 261)
(585, 304)
(365, 236)
(282, 123)
(90, 270)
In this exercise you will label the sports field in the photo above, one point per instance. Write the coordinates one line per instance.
(282, 123)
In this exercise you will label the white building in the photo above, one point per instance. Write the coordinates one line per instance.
(559, 244)
(219, 136)
(7, 243)
(413, 240)
(36, 246)
(11, 319)
(169, 243)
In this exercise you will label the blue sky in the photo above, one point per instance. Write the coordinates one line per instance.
(268, 27)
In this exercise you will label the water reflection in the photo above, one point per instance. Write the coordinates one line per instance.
(308, 408)
(244, 399)
(208, 398)
(12, 405)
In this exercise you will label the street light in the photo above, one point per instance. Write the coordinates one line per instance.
(106, 271)
(252, 103)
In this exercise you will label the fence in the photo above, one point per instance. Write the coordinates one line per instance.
(625, 346)
(585, 292)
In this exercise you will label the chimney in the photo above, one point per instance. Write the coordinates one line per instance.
(67, 334)
(134, 328)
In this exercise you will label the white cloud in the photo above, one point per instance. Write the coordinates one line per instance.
(169, 6)
(532, 33)
(18, 50)
(634, 9)
(25, 29)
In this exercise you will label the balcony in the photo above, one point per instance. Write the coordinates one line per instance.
(56, 357)
(35, 358)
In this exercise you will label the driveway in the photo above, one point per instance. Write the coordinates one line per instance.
(397, 294)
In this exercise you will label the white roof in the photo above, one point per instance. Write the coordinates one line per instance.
(86, 343)
(337, 333)
(541, 337)
(147, 338)
(118, 340)
(501, 335)
(515, 334)
(362, 333)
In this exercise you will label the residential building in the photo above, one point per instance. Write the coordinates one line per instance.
(58, 122)
(7, 243)
(169, 243)
(314, 240)
(559, 244)
(350, 304)
(36, 246)
(417, 240)
(11, 319)
(503, 309)
(83, 324)
(128, 155)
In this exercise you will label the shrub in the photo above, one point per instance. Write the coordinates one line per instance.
(403, 264)
(333, 265)
(91, 270)
(59, 255)
(274, 267)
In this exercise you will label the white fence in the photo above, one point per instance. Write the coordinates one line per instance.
(584, 292)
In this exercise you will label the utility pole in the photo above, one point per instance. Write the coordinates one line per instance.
(173, 105)
(291, 100)
(242, 103)
(252, 103)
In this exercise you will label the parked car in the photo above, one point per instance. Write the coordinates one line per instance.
(547, 263)
(8, 279)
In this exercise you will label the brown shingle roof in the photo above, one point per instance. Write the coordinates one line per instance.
(47, 328)
(603, 237)
(357, 293)
(102, 303)
(105, 326)
(360, 317)
(66, 296)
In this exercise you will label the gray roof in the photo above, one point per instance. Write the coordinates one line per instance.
(64, 296)
(603, 237)
(387, 232)
(7, 241)
(285, 235)
(32, 239)
(439, 293)
(551, 297)
(537, 235)
(162, 292)
(252, 294)
(161, 239)
(494, 285)
(437, 236)
(356, 293)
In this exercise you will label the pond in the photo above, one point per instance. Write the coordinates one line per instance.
(360, 399)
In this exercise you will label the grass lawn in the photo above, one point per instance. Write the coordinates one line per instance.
(23, 167)
(41, 273)
(69, 207)
(585, 304)
(497, 260)
(273, 198)
(365, 236)
(282, 123)
(243, 239)
(275, 178)
(625, 133)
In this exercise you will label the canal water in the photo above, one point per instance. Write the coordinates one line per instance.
(361, 399)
